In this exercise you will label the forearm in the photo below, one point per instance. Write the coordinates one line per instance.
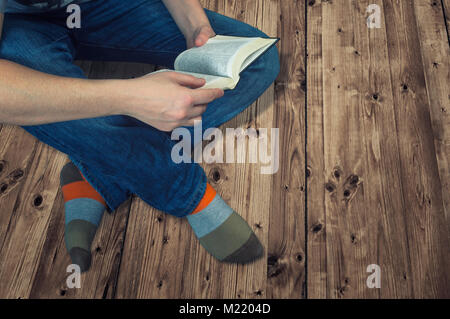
(28, 97)
(188, 14)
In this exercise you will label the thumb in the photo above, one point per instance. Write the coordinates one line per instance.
(201, 39)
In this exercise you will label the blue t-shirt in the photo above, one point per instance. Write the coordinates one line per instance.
(30, 6)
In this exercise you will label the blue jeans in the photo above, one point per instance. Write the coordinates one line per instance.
(120, 155)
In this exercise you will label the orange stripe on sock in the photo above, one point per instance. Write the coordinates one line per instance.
(209, 195)
(81, 189)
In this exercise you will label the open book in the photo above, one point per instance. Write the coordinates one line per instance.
(222, 59)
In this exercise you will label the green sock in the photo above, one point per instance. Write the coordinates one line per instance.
(222, 232)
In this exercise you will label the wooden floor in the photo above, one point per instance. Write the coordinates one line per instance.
(364, 173)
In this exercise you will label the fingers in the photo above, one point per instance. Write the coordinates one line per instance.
(204, 35)
(201, 39)
(188, 80)
(196, 111)
(194, 114)
(205, 96)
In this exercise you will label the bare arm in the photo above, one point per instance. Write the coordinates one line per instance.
(163, 100)
(28, 97)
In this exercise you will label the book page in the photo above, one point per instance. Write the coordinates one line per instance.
(249, 60)
(215, 57)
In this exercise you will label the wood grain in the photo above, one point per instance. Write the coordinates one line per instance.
(287, 253)
(436, 65)
(425, 220)
(317, 243)
(29, 186)
(382, 193)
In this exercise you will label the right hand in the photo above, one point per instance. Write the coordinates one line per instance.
(167, 100)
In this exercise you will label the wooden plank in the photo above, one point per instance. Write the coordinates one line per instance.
(428, 236)
(32, 169)
(247, 190)
(317, 242)
(379, 181)
(435, 54)
(168, 262)
(339, 234)
(13, 164)
(153, 254)
(287, 254)
(101, 280)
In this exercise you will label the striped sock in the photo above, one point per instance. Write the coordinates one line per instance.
(222, 232)
(84, 208)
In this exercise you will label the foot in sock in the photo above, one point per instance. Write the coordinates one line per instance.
(84, 208)
(222, 232)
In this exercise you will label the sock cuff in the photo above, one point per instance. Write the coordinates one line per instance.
(207, 198)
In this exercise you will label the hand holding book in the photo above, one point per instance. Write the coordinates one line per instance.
(221, 60)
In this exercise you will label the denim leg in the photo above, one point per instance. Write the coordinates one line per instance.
(116, 160)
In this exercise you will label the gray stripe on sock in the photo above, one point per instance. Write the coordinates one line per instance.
(210, 218)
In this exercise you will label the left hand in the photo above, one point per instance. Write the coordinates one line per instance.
(200, 36)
